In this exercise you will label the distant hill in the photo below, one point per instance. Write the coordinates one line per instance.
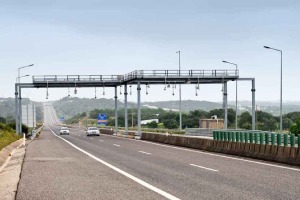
(7, 107)
(186, 105)
(68, 107)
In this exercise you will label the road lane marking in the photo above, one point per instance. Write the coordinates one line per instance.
(117, 145)
(139, 181)
(145, 152)
(101, 140)
(214, 170)
(212, 154)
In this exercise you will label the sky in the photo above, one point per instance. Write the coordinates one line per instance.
(94, 37)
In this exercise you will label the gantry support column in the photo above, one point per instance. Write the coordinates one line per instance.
(116, 111)
(20, 110)
(225, 105)
(16, 109)
(253, 104)
(126, 107)
(139, 133)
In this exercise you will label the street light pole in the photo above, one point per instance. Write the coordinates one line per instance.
(180, 114)
(22, 68)
(280, 84)
(236, 92)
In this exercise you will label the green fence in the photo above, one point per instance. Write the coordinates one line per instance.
(257, 137)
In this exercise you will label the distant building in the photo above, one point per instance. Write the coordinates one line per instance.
(144, 122)
(212, 123)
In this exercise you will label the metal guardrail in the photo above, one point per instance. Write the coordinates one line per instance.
(136, 74)
(257, 137)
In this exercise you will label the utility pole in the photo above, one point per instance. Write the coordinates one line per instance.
(180, 114)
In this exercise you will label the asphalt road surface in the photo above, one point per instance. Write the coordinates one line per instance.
(77, 166)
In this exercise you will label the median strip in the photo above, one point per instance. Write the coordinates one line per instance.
(214, 170)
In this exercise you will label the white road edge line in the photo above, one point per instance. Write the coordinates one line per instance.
(212, 154)
(145, 152)
(139, 181)
(214, 170)
(117, 145)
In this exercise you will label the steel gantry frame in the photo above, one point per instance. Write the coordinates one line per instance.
(137, 77)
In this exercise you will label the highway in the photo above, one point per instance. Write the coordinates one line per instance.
(106, 167)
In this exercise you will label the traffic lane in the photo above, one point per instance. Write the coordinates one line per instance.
(148, 145)
(237, 183)
(54, 170)
(263, 176)
(164, 177)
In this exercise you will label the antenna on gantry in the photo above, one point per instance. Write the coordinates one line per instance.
(103, 89)
(75, 91)
(130, 89)
(47, 93)
(95, 93)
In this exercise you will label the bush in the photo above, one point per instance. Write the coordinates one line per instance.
(7, 136)
(152, 124)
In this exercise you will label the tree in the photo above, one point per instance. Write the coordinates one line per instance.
(2, 120)
(287, 123)
(295, 129)
(171, 123)
(245, 120)
(152, 124)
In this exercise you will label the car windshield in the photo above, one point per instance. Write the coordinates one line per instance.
(93, 128)
(64, 128)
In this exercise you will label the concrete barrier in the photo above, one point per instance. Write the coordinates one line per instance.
(281, 154)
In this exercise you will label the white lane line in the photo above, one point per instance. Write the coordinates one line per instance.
(139, 181)
(117, 145)
(214, 170)
(145, 152)
(212, 154)
(101, 140)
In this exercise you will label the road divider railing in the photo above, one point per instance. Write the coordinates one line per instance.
(257, 137)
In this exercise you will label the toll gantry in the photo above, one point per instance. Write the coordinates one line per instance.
(137, 77)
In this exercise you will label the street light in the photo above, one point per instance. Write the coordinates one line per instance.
(236, 86)
(180, 117)
(22, 68)
(19, 77)
(280, 84)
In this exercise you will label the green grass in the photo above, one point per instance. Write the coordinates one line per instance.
(7, 136)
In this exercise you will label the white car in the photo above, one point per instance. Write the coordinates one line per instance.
(64, 131)
(92, 131)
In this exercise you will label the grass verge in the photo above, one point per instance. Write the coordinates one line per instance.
(7, 136)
